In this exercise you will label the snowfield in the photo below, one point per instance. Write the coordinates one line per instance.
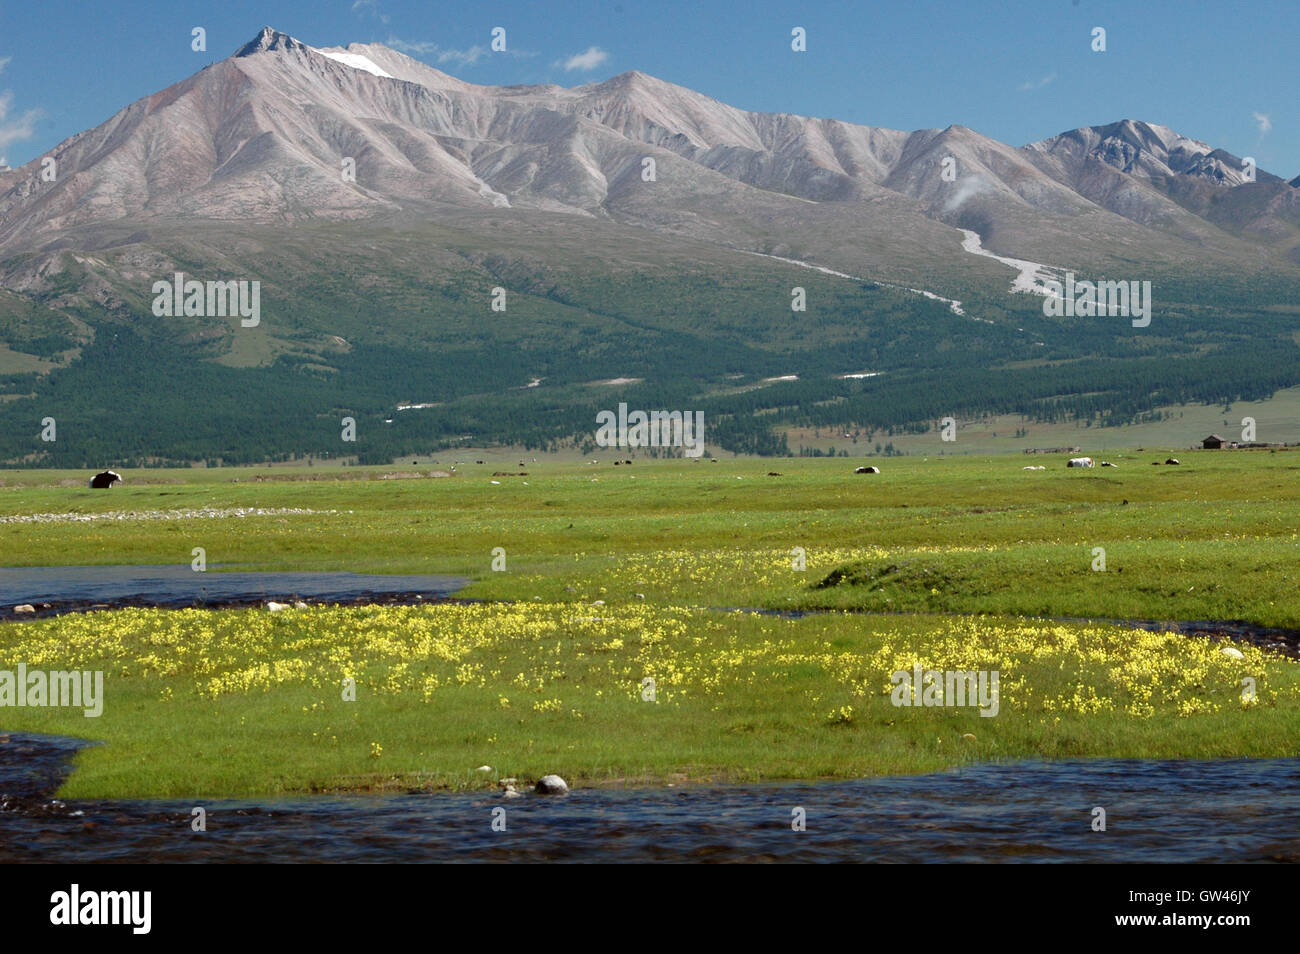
(356, 61)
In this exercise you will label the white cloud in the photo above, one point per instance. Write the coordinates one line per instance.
(1050, 77)
(371, 7)
(420, 46)
(4, 61)
(21, 127)
(460, 57)
(589, 60)
(464, 57)
(1264, 122)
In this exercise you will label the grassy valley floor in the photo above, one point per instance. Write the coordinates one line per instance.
(618, 575)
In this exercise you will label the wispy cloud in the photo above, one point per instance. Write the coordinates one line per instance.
(463, 57)
(1024, 87)
(1264, 122)
(460, 57)
(20, 127)
(420, 47)
(427, 48)
(591, 58)
(371, 8)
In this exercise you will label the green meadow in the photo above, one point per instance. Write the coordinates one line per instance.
(616, 646)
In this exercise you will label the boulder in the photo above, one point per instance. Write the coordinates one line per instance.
(1232, 652)
(551, 785)
(24, 608)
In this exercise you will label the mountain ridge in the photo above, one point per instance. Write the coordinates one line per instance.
(256, 152)
(642, 232)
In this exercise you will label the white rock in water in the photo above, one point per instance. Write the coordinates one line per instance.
(276, 607)
(511, 793)
(551, 785)
(1232, 652)
(24, 608)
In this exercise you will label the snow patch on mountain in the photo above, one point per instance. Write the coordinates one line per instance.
(953, 304)
(356, 61)
(1032, 276)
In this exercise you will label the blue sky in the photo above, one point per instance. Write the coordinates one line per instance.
(1017, 70)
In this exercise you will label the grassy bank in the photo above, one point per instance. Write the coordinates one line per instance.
(250, 702)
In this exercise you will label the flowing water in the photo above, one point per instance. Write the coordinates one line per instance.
(52, 590)
(1228, 811)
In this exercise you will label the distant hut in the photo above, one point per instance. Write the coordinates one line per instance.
(1214, 442)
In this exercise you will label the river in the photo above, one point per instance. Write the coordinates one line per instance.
(1213, 812)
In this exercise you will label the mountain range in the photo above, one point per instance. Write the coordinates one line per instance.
(380, 201)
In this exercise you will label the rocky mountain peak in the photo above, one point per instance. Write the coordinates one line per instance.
(270, 39)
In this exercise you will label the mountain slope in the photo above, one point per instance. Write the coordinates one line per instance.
(376, 285)
(262, 137)
(1152, 175)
